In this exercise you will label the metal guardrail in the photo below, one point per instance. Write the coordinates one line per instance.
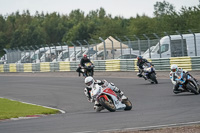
(187, 63)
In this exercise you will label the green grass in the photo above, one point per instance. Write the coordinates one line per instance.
(15, 109)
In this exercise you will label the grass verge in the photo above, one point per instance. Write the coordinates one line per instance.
(14, 109)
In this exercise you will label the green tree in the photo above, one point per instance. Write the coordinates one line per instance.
(163, 8)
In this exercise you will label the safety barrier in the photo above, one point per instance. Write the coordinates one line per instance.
(187, 63)
(195, 63)
(183, 62)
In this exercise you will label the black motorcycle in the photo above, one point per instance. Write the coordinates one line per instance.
(188, 83)
(88, 69)
(149, 73)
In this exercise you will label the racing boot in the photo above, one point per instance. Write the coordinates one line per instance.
(98, 107)
(120, 93)
(144, 77)
(176, 89)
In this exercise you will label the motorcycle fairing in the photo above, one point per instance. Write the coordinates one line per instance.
(118, 104)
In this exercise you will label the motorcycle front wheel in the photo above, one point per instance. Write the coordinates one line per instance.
(190, 86)
(153, 77)
(128, 104)
(90, 73)
(109, 105)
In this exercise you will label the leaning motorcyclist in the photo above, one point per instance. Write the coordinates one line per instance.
(174, 74)
(140, 63)
(91, 83)
(82, 64)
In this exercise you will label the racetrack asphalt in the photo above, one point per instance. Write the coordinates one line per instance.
(153, 104)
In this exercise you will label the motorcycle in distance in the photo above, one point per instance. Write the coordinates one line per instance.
(88, 70)
(187, 83)
(149, 72)
(107, 98)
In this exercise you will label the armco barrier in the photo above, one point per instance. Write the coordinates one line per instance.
(99, 65)
(28, 67)
(112, 65)
(20, 67)
(127, 65)
(1, 68)
(45, 67)
(73, 65)
(64, 66)
(54, 66)
(36, 67)
(183, 62)
(6, 68)
(195, 63)
(12, 67)
(187, 63)
(161, 64)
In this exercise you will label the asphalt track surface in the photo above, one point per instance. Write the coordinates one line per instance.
(153, 104)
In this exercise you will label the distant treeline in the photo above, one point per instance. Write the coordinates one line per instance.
(17, 30)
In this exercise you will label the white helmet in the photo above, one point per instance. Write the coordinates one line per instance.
(89, 81)
(174, 68)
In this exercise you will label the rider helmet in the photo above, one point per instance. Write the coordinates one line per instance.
(139, 57)
(84, 56)
(89, 81)
(174, 68)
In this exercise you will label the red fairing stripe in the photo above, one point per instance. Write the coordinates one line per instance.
(110, 91)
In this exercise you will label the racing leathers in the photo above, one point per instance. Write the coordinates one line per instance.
(102, 83)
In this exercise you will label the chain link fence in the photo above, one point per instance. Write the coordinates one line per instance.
(109, 48)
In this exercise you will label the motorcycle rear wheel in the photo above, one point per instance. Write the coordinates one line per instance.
(109, 105)
(192, 87)
(128, 104)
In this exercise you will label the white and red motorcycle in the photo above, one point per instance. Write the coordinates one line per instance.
(107, 98)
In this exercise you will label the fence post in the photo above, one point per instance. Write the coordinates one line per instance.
(169, 43)
(74, 50)
(50, 53)
(60, 44)
(120, 44)
(148, 44)
(129, 44)
(138, 43)
(95, 46)
(104, 44)
(195, 43)
(88, 47)
(38, 48)
(112, 48)
(80, 45)
(68, 51)
(6, 58)
(31, 54)
(55, 52)
(159, 43)
(181, 42)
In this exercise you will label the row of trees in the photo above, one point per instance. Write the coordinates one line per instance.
(18, 30)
